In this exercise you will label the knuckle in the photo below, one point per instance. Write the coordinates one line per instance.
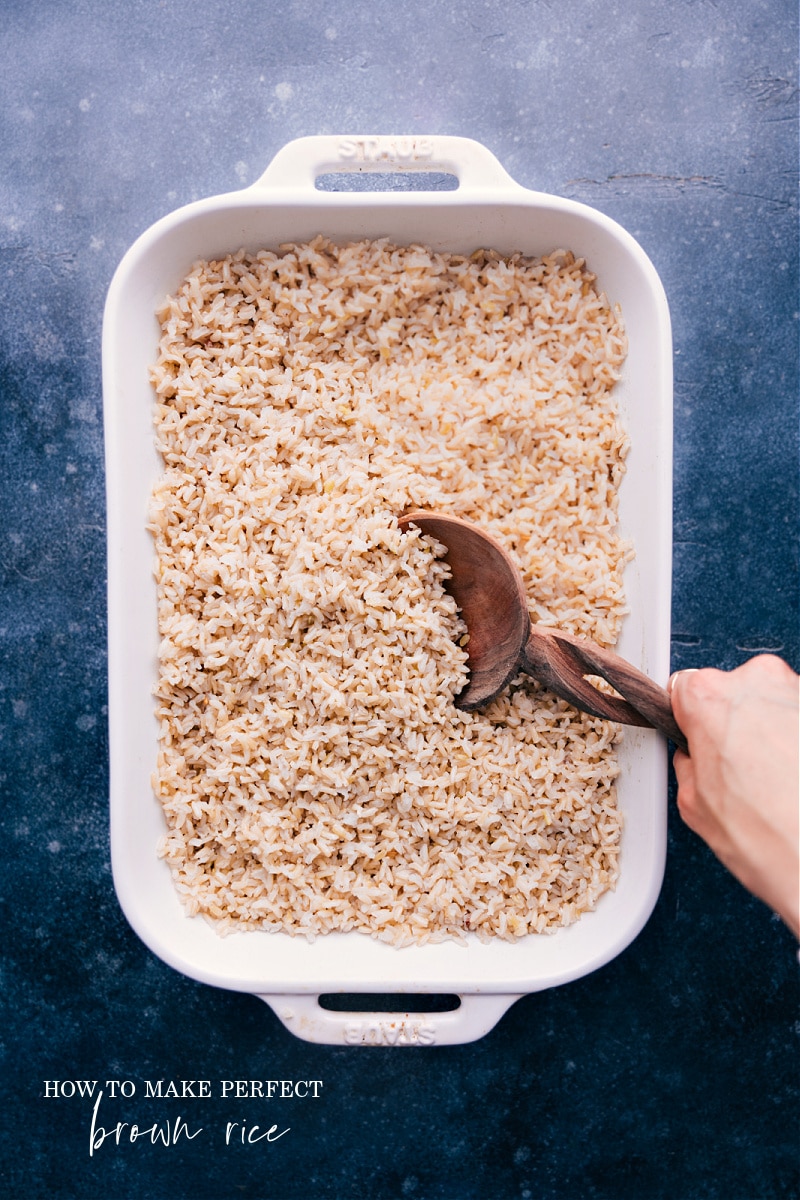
(770, 666)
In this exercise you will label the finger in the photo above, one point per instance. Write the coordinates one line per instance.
(672, 685)
(675, 685)
(687, 804)
(695, 694)
(675, 676)
(692, 807)
(694, 815)
(684, 768)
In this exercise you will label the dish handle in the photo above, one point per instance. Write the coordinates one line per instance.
(296, 166)
(305, 1017)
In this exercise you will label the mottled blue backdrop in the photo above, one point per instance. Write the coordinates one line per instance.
(671, 1073)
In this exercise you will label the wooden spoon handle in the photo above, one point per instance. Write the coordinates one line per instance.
(561, 661)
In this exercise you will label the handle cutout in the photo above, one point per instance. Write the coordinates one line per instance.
(386, 181)
(381, 1002)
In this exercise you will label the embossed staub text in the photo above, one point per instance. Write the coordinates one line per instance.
(385, 149)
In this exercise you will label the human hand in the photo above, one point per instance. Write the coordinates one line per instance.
(738, 786)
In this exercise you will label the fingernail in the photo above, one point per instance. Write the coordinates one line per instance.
(673, 679)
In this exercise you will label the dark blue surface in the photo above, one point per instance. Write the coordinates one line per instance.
(673, 1071)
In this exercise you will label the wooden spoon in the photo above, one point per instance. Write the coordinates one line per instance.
(489, 591)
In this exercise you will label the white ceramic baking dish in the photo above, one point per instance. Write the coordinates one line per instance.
(488, 209)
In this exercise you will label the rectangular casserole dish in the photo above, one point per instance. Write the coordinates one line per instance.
(488, 209)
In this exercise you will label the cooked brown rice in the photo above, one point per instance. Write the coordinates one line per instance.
(313, 770)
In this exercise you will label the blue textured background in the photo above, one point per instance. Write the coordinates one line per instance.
(672, 1072)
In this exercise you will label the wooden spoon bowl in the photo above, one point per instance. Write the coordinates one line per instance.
(490, 594)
